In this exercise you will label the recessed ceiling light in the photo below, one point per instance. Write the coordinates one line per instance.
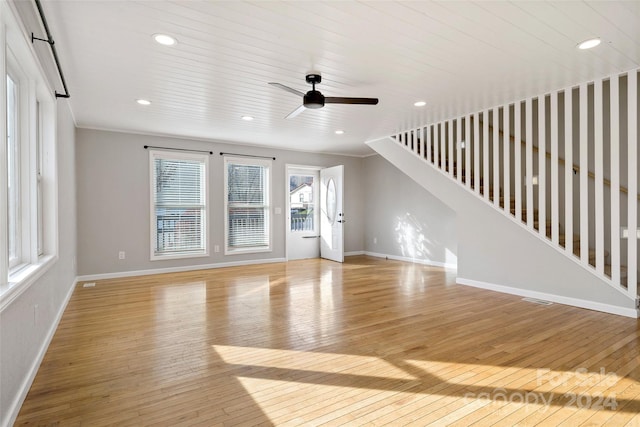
(143, 102)
(420, 103)
(164, 39)
(588, 44)
(339, 132)
(247, 118)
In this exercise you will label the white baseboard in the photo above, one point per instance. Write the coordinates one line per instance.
(575, 302)
(14, 409)
(414, 260)
(120, 274)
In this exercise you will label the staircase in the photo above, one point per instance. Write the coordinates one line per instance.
(548, 231)
(519, 158)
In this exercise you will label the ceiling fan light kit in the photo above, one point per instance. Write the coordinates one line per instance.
(314, 99)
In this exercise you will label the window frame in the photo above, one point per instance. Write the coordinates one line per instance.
(36, 131)
(15, 167)
(268, 165)
(204, 158)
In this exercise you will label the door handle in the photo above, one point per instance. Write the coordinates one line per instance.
(310, 237)
(342, 221)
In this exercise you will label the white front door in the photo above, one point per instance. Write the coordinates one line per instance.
(331, 215)
(303, 225)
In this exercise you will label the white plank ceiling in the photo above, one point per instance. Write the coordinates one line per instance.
(457, 56)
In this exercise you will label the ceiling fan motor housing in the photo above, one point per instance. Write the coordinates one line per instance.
(313, 99)
(313, 79)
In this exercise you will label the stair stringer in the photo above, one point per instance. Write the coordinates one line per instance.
(495, 252)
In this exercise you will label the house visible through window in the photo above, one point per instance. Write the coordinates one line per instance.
(302, 215)
(179, 205)
(247, 192)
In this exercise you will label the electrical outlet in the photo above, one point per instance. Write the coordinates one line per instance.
(216, 248)
(35, 314)
(121, 255)
(278, 211)
(375, 240)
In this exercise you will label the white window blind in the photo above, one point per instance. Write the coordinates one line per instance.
(179, 204)
(247, 200)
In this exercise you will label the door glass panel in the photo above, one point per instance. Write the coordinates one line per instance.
(301, 190)
(331, 201)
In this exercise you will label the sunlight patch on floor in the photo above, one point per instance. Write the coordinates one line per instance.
(544, 379)
(344, 364)
(288, 383)
(295, 403)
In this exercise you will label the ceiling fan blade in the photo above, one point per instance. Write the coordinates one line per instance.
(287, 88)
(339, 100)
(295, 112)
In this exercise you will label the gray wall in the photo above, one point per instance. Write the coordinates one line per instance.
(113, 200)
(22, 336)
(403, 219)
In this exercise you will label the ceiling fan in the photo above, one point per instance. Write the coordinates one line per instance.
(315, 99)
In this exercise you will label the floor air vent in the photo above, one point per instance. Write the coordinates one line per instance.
(537, 301)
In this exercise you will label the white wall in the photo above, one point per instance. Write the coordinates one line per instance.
(23, 336)
(404, 220)
(113, 201)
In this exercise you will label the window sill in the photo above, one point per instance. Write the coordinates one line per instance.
(246, 251)
(23, 278)
(178, 256)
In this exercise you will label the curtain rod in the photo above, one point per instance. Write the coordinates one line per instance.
(50, 42)
(178, 149)
(247, 155)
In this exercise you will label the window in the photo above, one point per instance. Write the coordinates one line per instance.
(13, 175)
(39, 179)
(302, 215)
(28, 178)
(178, 205)
(247, 219)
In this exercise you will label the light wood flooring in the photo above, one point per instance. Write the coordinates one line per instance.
(313, 342)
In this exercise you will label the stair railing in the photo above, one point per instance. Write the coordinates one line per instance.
(515, 157)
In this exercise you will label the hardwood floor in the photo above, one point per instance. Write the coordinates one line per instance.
(313, 342)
